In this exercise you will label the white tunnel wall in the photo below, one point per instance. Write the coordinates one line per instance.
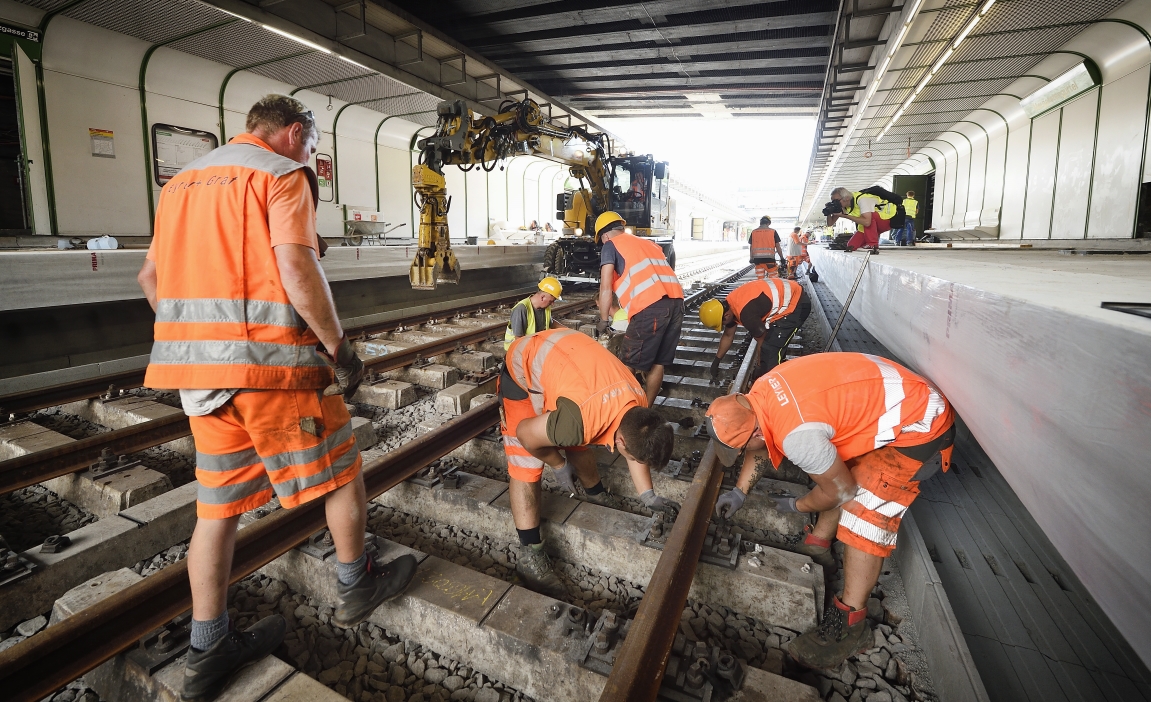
(91, 79)
(1069, 174)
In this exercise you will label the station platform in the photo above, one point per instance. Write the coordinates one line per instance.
(1055, 395)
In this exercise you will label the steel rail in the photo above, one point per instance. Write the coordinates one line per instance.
(33, 468)
(42, 664)
(31, 400)
(638, 671)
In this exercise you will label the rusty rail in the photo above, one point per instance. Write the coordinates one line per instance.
(51, 659)
(638, 671)
(33, 468)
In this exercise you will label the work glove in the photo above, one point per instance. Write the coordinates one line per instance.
(602, 326)
(715, 371)
(347, 366)
(660, 504)
(565, 476)
(729, 503)
(785, 504)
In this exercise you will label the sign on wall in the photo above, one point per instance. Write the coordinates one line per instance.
(175, 147)
(103, 145)
(324, 174)
(19, 32)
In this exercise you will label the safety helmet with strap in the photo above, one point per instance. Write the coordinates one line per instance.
(606, 220)
(711, 314)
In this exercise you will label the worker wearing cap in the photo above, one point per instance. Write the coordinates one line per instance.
(867, 431)
(561, 393)
(534, 313)
(771, 310)
(637, 273)
(247, 331)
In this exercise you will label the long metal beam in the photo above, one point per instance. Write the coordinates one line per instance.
(518, 60)
(638, 671)
(44, 663)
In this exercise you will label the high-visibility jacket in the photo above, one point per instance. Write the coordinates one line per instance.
(526, 303)
(870, 402)
(910, 206)
(784, 295)
(646, 277)
(223, 318)
(878, 212)
(763, 245)
(565, 363)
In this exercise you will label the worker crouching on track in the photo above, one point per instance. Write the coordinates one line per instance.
(562, 391)
(763, 243)
(247, 330)
(867, 431)
(637, 272)
(534, 313)
(771, 310)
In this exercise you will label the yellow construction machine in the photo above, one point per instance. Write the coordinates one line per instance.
(634, 186)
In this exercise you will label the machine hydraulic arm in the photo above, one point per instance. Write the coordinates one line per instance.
(466, 140)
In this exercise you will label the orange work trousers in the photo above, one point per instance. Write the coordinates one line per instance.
(296, 444)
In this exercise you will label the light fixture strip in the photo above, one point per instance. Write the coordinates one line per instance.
(938, 66)
(299, 40)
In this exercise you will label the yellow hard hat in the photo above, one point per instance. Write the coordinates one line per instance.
(606, 219)
(711, 314)
(552, 287)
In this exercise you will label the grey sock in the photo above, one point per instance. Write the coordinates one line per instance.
(206, 634)
(348, 573)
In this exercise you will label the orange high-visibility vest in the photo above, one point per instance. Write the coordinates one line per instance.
(223, 319)
(784, 296)
(869, 401)
(565, 363)
(646, 277)
(763, 245)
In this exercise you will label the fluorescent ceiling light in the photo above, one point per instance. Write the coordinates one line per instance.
(966, 30)
(704, 97)
(293, 37)
(233, 14)
(1081, 78)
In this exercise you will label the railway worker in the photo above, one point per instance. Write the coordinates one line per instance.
(764, 244)
(637, 273)
(795, 251)
(861, 208)
(247, 331)
(771, 310)
(534, 313)
(867, 431)
(562, 393)
(911, 207)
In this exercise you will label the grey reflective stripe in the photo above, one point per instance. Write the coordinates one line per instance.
(312, 454)
(232, 353)
(227, 494)
(652, 281)
(935, 407)
(220, 462)
(520, 373)
(776, 305)
(245, 156)
(190, 310)
(625, 281)
(296, 485)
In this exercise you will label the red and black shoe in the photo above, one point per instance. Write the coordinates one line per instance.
(843, 633)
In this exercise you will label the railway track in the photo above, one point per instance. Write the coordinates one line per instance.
(665, 591)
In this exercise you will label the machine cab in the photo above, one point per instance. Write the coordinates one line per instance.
(639, 193)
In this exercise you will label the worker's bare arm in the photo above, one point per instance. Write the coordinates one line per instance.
(533, 434)
(308, 291)
(147, 280)
(833, 488)
(725, 342)
(606, 282)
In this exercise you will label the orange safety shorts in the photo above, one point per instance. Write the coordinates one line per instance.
(870, 521)
(522, 465)
(766, 270)
(296, 443)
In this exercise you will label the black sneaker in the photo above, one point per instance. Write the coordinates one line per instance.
(377, 585)
(207, 672)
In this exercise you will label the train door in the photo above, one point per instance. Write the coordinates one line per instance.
(901, 184)
(13, 204)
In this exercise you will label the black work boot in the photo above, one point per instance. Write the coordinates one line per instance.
(843, 633)
(207, 672)
(534, 566)
(378, 584)
(604, 499)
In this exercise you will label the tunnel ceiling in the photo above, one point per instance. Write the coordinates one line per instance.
(656, 58)
(1006, 43)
